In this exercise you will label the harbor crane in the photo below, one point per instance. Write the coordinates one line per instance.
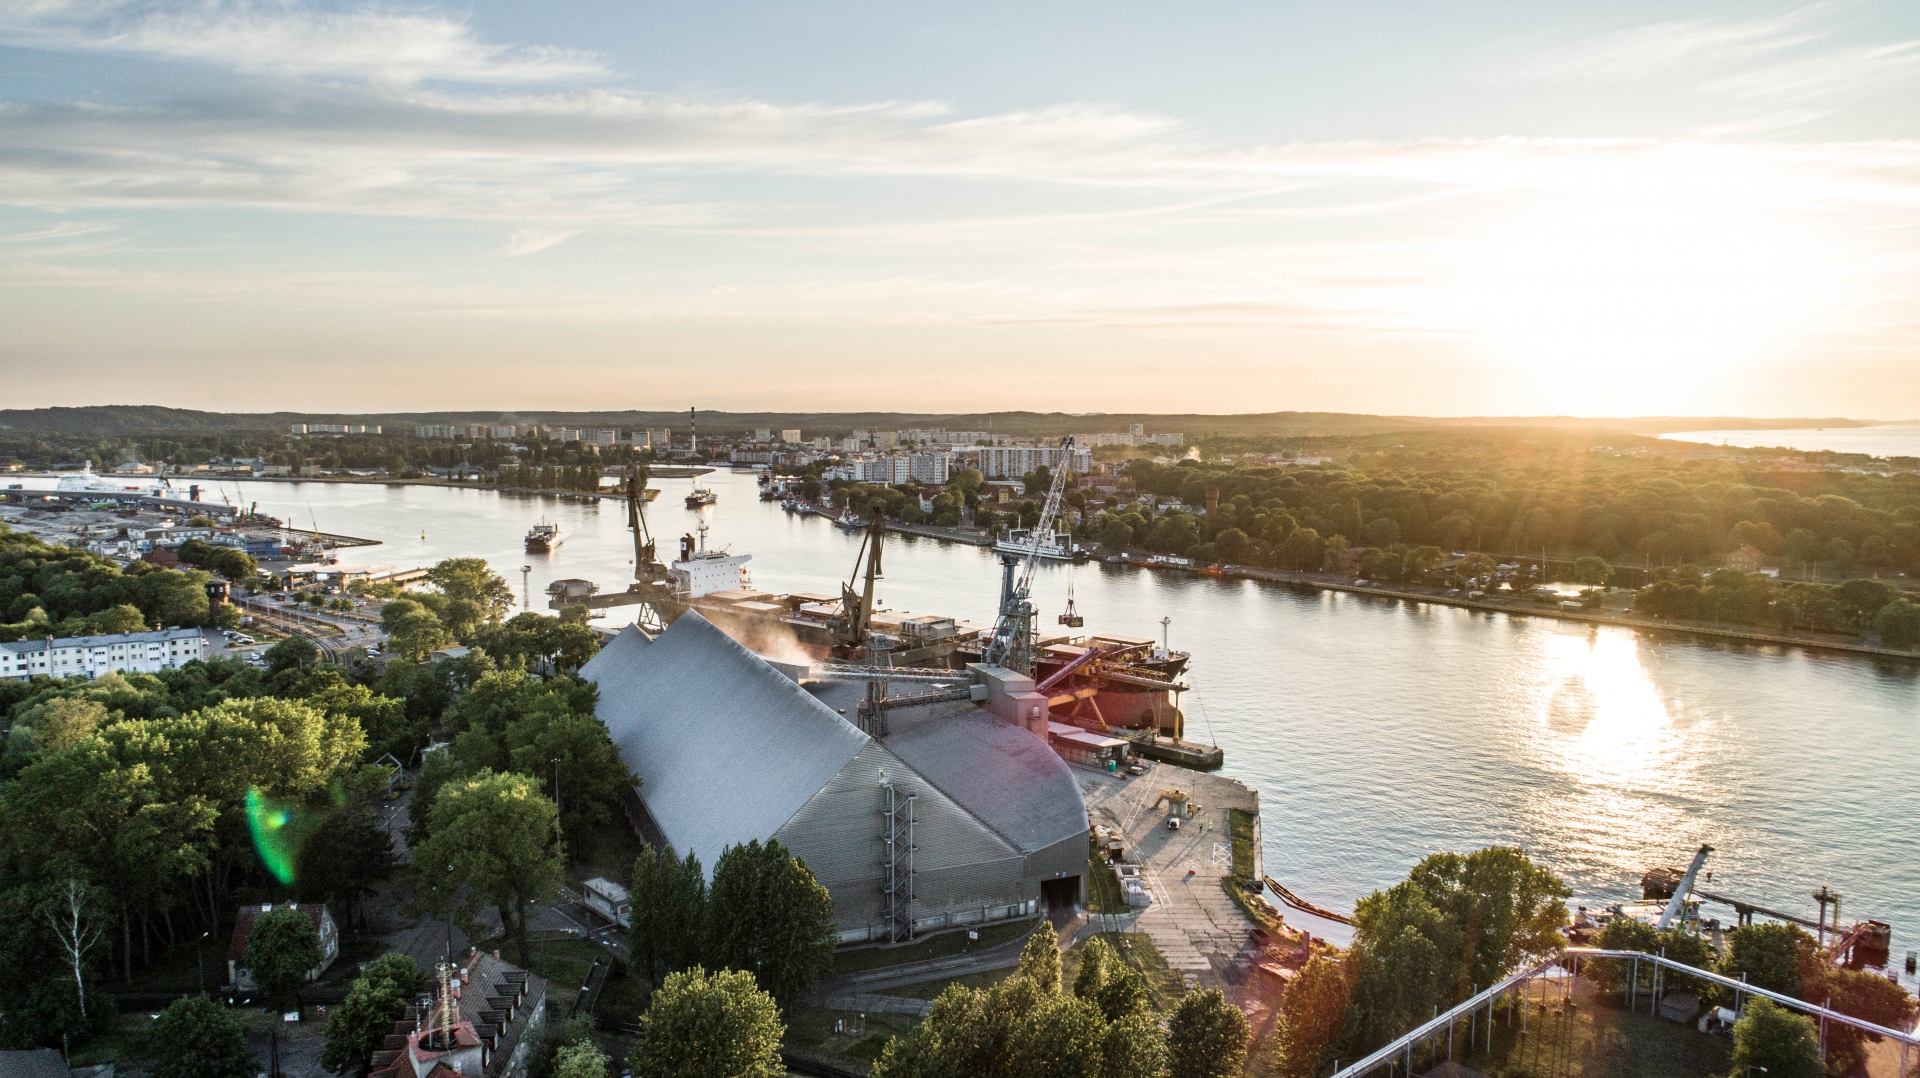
(1013, 634)
(1683, 889)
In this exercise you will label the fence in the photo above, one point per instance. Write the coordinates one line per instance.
(1568, 963)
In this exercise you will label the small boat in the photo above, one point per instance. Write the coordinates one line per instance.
(1211, 570)
(541, 538)
(849, 520)
(701, 496)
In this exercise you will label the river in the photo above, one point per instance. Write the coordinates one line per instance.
(1376, 731)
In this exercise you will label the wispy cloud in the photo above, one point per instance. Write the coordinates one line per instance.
(1793, 57)
(262, 36)
(529, 241)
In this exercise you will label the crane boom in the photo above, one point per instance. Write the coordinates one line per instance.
(1685, 887)
(1009, 644)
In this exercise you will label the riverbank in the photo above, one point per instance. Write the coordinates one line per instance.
(1526, 608)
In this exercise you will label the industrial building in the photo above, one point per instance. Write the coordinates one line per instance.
(953, 815)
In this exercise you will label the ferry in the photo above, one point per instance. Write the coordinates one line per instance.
(543, 537)
(1056, 547)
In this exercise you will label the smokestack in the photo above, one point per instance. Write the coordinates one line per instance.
(1213, 505)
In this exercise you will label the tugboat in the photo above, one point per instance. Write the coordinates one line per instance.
(702, 496)
(543, 537)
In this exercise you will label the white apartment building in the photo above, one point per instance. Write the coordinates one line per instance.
(1012, 462)
(91, 656)
(600, 437)
(790, 435)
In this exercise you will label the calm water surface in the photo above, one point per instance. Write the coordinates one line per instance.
(1376, 731)
(1884, 440)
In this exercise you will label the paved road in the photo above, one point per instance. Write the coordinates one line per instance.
(1193, 922)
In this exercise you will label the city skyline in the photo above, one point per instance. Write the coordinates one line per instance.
(1631, 210)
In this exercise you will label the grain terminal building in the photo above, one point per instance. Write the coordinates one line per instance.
(952, 817)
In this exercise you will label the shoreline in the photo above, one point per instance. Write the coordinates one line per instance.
(1625, 621)
(1745, 635)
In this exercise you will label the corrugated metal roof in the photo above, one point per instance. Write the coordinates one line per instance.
(727, 749)
(1006, 777)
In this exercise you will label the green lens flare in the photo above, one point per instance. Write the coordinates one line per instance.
(279, 829)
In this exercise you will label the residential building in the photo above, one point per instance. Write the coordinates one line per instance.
(1000, 462)
(600, 437)
(241, 977)
(482, 1021)
(1748, 559)
(791, 436)
(929, 467)
(762, 434)
(91, 656)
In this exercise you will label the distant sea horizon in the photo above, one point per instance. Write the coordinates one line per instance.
(1882, 440)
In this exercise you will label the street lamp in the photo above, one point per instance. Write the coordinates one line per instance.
(200, 958)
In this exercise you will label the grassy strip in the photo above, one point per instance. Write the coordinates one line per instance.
(1240, 826)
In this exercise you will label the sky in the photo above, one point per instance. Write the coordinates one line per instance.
(1433, 208)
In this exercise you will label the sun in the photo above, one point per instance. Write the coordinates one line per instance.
(1632, 296)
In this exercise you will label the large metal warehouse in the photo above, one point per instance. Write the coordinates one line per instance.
(952, 817)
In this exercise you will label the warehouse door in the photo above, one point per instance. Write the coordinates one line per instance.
(1062, 894)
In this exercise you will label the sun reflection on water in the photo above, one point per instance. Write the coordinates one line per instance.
(1603, 725)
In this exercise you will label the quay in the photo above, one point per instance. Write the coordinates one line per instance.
(1192, 919)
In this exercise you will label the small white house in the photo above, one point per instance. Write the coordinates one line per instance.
(242, 978)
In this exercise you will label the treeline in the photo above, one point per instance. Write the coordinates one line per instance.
(1105, 1026)
(1728, 595)
(1509, 498)
(396, 451)
(135, 802)
(58, 591)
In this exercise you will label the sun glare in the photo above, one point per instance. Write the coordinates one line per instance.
(1622, 296)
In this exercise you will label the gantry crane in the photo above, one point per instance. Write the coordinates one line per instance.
(1013, 634)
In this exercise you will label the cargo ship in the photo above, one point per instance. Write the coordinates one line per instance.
(1118, 686)
(543, 537)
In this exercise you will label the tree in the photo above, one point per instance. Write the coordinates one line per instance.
(1771, 1039)
(1772, 956)
(412, 630)
(375, 1001)
(292, 653)
(1861, 994)
(77, 924)
(281, 949)
(1862, 600)
(1505, 911)
(1399, 971)
(1231, 545)
(1206, 1037)
(1899, 624)
(668, 900)
(1312, 1014)
(1592, 571)
(63, 722)
(581, 1061)
(499, 841)
(1115, 988)
(472, 580)
(718, 1026)
(1040, 958)
(767, 915)
(345, 857)
(196, 1038)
